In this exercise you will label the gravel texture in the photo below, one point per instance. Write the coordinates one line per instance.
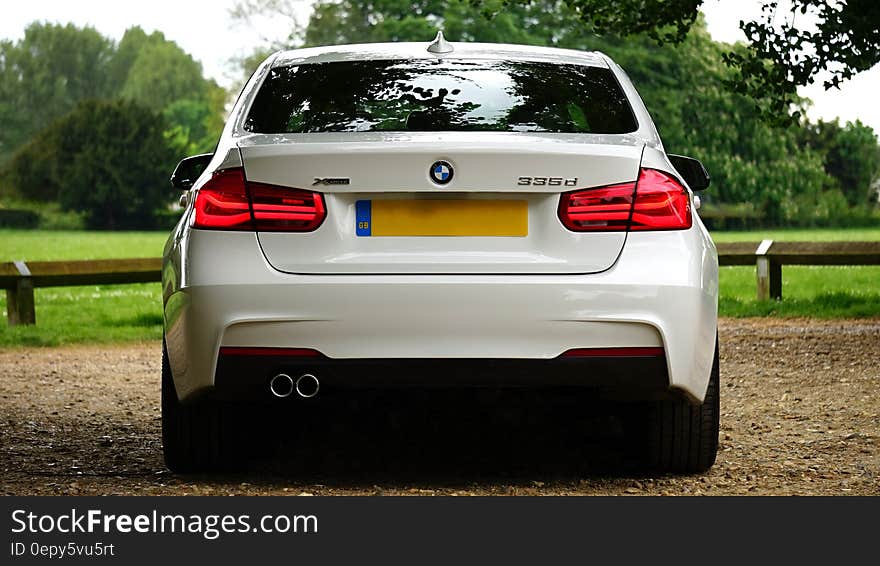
(800, 416)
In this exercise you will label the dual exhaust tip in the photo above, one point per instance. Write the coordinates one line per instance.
(283, 386)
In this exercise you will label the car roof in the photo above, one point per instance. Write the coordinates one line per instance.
(419, 50)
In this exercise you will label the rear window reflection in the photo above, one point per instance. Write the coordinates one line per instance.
(429, 95)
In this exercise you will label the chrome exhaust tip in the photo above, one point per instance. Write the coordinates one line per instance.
(307, 385)
(281, 385)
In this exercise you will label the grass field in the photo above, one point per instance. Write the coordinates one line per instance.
(35, 245)
(112, 313)
(810, 291)
(800, 235)
(106, 313)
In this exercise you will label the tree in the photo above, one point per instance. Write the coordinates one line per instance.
(782, 57)
(852, 156)
(778, 58)
(45, 74)
(109, 160)
(162, 73)
(194, 125)
(157, 73)
(133, 41)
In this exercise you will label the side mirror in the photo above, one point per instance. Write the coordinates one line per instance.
(692, 171)
(189, 169)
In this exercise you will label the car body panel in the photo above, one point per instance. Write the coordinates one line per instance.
(487, 166)
(227, 294)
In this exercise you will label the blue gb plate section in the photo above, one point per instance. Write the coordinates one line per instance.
(364, 217)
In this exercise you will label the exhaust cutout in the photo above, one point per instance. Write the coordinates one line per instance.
(281, 385)
(307, 386)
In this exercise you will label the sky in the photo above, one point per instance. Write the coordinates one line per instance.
(204, 29)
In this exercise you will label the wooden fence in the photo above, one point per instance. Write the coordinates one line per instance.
(20, 278)
(769, 257)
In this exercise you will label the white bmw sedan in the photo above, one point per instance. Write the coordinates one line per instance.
(440, 215)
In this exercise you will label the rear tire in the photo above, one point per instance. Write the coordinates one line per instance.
(682, 437)
(191, 433)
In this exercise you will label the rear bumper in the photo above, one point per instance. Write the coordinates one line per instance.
(240, 378)
(662, 292)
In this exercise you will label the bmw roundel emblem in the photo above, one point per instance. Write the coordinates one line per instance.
(441, 172)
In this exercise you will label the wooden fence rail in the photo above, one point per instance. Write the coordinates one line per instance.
(768, 257)
(20, 278)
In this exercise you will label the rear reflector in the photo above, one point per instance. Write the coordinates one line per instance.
(613, 352)
(229, 202)
(656, 202)
(279, 352)
(270, 352)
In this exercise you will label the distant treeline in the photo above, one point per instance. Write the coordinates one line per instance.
(96, 127)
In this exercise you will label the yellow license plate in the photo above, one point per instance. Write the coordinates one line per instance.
(429, 217)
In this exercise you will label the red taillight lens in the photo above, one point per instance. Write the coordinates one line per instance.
(228, 202)
(222, 203)
(658, 202)
(661, 203)
(604, 209)
(280, 209)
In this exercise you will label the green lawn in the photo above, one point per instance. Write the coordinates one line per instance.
(34, 245)
(105, 313)
(823, 292)
(802, 235)
(112, 313)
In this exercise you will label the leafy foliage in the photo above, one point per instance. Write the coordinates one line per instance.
(44, 75)
(661, 20)
(783, 50)
(76, 143)
(161, 73)
(157, 73)
(852, 156)
(780, 56)
(108, 160)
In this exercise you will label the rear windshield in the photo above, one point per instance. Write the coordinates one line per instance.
(430, 95)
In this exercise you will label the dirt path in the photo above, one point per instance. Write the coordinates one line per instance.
(800, 415)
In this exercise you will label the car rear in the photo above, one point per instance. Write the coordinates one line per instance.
(497, 217)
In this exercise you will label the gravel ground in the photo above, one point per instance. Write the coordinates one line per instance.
(800, 415)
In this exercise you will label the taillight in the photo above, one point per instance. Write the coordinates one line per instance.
(661, 203)
(657, 202)
(222, 203)
(281, 209)
(229, 202)
(604, 209)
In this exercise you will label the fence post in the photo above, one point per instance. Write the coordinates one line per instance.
(769, 274)
(20, 299)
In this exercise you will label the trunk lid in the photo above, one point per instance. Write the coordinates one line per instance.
(513, 180)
